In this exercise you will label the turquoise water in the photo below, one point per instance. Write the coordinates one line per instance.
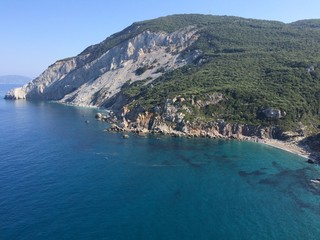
(61, 178)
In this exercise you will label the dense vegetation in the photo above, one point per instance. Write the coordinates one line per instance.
(255, 64)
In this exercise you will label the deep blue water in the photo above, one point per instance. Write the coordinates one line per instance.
(61, 178)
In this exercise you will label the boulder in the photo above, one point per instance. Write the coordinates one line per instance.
(125, 136)
(273, 113)
(311, 161)
(98, 116)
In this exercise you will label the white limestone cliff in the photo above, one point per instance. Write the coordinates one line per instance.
(86, 80)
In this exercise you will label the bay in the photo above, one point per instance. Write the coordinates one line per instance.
(63, 178)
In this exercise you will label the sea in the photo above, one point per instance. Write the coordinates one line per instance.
(63, 177)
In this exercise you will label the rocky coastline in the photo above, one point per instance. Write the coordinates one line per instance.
(293, 143)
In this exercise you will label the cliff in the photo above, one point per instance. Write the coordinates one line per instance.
(86, 80)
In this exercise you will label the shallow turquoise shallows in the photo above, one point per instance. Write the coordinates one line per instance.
(63, 178)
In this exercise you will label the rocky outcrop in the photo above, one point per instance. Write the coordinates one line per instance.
(89, 80)
(170, 119)
(272, 113)
(154, 123)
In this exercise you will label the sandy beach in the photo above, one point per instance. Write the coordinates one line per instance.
(289, 147)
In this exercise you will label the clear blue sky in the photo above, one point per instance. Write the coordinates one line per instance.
(36, 33)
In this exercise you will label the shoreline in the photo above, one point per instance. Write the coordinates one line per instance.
(287, 146)
(294, 146)
(291, 147)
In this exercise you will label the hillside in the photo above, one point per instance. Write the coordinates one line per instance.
(197, 71)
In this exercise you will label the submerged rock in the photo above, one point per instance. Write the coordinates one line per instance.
(125, 136)
(311, 161)
(317, 180)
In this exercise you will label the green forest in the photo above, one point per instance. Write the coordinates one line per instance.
(255, 64)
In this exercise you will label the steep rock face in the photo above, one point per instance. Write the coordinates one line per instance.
(173, 123)
(86, 82)
(169, 118)
(37, 89)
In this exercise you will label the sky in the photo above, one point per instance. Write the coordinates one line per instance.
(36, 33)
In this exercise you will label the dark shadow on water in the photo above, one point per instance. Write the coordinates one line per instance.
(277, 166)
(269, 181)
(189, 161)
(304, 205)
(221, 157)
(177, 194)
(253, 173)
(291, 183)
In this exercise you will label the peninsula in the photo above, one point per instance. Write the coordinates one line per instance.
(197, 75)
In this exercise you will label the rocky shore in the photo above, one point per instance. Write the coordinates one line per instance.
(295, 144)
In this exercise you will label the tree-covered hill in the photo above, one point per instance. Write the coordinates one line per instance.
(254, 64)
